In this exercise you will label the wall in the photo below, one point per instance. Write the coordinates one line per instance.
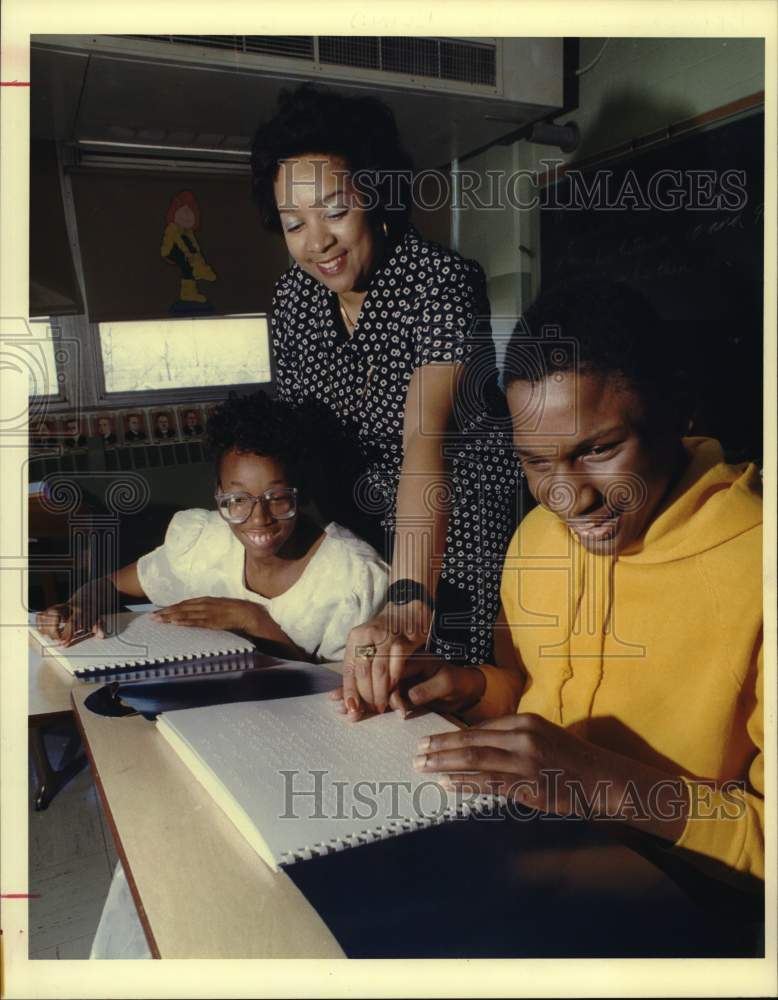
(641, 85)
(183, 482)
(499, 237)
(638, 86)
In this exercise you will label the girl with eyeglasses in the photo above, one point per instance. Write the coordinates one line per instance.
(257, 564)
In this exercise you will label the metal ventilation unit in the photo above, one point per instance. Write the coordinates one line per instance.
(196, 96)
(434, 58)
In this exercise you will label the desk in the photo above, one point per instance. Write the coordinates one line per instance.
(480, 888)
(49, 687)
(200, 890)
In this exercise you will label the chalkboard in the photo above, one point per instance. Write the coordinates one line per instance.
(681, 222)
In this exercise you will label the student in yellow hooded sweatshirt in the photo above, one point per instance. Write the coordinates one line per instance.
(628, 673)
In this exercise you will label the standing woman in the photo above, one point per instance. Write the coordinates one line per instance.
(388, 336)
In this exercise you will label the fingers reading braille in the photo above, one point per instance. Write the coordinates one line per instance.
(475, 750)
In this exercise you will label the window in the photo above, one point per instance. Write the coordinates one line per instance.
(185, 353)
(45, 381)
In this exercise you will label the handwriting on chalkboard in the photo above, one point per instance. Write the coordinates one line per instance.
(729, 220)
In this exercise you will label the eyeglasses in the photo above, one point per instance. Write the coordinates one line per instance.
(236, 508)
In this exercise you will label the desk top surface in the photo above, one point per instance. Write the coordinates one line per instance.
(49, 685)
(203, 893)
(539, 888)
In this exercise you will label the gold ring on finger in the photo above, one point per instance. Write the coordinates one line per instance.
(365, 652)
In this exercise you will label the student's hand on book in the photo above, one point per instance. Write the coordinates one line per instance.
(88, 611)
(217, 612)
(523, 757)
(68, 623)
(378, 655)
(545, 767)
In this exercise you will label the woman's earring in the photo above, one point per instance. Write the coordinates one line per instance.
(385, 228)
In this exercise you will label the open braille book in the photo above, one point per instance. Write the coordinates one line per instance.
(298, 780)
(142, 648)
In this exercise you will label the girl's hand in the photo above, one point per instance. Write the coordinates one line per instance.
(69, 623)
(219, 612)
(378, 656)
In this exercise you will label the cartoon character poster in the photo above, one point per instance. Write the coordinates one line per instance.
(181, 249)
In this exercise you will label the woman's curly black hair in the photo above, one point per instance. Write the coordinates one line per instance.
(361, 130)
(255, 424)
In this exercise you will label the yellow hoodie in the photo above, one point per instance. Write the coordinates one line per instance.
(656, 654)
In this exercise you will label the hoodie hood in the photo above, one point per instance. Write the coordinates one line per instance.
(712, 503)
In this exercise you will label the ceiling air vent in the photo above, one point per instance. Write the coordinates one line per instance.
(289, 46)
(437, 58)
(451, 96)
(350, 50)
(433, 58)
(468, 62)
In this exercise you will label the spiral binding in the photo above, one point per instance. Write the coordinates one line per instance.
(395, 828)
(169, 666)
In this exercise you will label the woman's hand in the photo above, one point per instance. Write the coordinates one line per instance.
(542, 766)
(220, 612)
(429, 683)
(377, 656)
(69, 623)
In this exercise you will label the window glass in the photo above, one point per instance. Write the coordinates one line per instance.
(145, 355)
(42, 368)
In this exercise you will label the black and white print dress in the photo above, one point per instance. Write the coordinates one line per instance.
(425, 304)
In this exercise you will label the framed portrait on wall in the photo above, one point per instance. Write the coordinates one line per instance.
(164, 423)
(135, 430)
(192, 422)
(103, 426)
(71, 431)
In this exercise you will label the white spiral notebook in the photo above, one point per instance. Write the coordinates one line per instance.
(142, 648)
(260, 761)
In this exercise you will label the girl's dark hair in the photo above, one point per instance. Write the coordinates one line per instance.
(258, 425)
(361, 130)
(594, 325)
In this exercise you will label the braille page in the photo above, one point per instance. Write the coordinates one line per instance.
(141, 640)
(297, 779)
